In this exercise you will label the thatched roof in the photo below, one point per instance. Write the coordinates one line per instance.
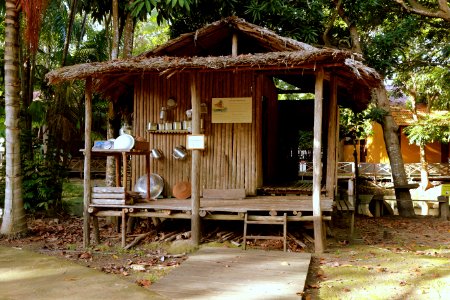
(214, 40)
(275, 53)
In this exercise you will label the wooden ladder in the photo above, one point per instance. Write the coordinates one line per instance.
(266, 220)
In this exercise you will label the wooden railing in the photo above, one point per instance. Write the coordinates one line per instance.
(379, 171)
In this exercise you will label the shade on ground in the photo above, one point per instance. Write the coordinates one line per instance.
(28, 275)
(222, 273)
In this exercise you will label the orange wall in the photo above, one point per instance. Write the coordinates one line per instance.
(411, 154)
(376, 149)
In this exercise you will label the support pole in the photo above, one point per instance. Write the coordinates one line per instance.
(331, 182)
(317, 163)
(234, 45)
(87, 161)
(195, 170)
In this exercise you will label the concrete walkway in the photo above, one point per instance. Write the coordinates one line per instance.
(29, 275)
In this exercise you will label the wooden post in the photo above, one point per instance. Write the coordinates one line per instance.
(234, 45)
(317, 163)
(147, 171)
(195, 171)
(87, 161)
(125, 171)
(332, 139)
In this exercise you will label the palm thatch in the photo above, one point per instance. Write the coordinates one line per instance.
(275, 53)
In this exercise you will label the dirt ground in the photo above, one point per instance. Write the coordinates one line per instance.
(390, 257)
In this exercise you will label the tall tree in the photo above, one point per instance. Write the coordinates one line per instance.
(14, 215)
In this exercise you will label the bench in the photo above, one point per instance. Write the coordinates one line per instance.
(110, 196)
(442, 201)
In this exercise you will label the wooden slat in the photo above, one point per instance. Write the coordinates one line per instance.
(224, 193)
(108, 196)
(105, 189)
(108, 201)
(236, 274)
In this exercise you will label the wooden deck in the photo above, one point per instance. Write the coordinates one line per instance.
(222, 273)
(297, 187)
(221, 209)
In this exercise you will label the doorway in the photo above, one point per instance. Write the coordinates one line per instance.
(288, 118)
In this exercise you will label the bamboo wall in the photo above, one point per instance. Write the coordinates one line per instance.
(232, 158)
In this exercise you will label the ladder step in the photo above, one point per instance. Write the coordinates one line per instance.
(266, 222)
(280, 219)
(265, 237)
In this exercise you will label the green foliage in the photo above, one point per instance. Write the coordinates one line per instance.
(302, 20)
(432, 128)
(284, 86)
(305, 139)
(148, 35)
(42, 180)
(354, 125)
(376, 114)
(166, 9)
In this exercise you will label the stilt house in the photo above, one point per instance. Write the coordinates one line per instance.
(227, 73)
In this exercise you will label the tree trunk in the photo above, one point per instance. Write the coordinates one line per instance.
(115, 30)
(424, 176)
(72, 12)
(390, 129)
(14, 214)
(110, 164)
(128, 35)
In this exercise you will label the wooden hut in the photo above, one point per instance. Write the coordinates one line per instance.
(224, 72)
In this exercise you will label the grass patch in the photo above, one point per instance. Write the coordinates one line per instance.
(72, 197)
(377, 273)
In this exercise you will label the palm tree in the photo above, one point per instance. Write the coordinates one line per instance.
(14, 215)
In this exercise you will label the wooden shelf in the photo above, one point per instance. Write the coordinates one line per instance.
(182, 131)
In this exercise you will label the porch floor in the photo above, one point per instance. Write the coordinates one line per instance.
(296, 187)
(223, 209)
(223, 273)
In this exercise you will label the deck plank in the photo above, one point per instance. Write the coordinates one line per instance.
(222, 273)
(260, 203)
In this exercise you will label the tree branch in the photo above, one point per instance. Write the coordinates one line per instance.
(330, 23)
(443, 12)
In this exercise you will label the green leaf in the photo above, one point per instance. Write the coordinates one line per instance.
(134, 4)
(174, 2)
(138, 9)
(147, 6)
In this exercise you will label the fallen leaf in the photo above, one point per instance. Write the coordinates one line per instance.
(70, 279)
(347, 290)
(144, 282)
(85, 255)
(313, 286)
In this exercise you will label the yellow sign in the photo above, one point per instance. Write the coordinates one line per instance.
(445, 190)
(231, 110)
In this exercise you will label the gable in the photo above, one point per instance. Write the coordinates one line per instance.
(215, 39)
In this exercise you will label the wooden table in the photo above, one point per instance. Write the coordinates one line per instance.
(122, 153)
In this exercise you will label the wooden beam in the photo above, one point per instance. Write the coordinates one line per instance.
(332, 139)
(87, 161)
(195, 170)
(317, 163)
(234, 45)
